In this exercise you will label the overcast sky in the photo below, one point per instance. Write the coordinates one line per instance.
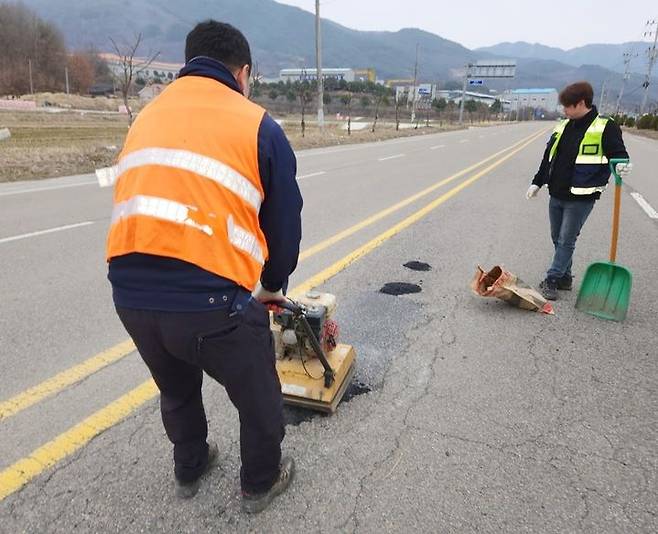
(474, 23)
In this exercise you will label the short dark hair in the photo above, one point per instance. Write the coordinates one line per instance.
(574, 93)
(219, 41)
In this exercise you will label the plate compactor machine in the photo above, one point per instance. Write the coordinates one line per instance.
(314, 369)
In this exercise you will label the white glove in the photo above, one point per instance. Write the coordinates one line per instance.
(624, 169)
(532, 191)
(263, 295)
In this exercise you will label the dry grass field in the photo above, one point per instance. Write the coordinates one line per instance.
(55, 142)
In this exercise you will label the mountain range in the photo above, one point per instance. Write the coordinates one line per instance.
(284, 36)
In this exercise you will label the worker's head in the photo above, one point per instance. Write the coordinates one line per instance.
(576, 99)
(225, 43)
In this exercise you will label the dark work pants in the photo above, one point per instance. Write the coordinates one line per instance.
(234, 348)
(567, 219)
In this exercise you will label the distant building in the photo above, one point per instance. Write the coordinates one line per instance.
(310, 73)
(399, 83)
(151, 91)
(484, 98)
(546, 99)
(155, 71)
(365, 75)
(101, 89)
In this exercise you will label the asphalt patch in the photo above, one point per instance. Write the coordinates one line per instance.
(418, 266)
(355, 389)
(400, 288)
(295, 416)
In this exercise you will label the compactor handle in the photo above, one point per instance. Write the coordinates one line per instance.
(299, 313)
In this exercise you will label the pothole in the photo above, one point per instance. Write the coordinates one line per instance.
(295, 415)
(355, 389)
(418, 266)
(400, 288)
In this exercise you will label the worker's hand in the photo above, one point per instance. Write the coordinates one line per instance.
(263, 295)
(532, 191)
(624, 169)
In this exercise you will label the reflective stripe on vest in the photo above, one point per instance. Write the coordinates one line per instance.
(175, 212)
(187, 161)
(244, 240)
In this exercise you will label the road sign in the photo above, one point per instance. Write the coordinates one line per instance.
(492, 69)
(475, 82)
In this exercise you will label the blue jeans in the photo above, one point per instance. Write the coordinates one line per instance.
(567, 219)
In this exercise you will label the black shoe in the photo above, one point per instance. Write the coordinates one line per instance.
(548, 288)
(255, 503)
(187, 490)
(565, 283)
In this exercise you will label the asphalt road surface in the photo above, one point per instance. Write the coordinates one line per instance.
(468, 415)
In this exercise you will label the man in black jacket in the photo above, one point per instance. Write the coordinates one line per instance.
(575, 168)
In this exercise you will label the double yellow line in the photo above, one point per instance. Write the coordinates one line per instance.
(21, 472)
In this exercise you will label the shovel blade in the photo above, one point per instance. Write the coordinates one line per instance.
(605, 291)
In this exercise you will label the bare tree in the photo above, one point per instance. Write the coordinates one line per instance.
(382, 99)
(305, 98)
(398, 103)
(131, 67)
(347, 102)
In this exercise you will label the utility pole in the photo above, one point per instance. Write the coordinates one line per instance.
(413, 98)
(602, 96)
(29, 66)
(652, 58)
(461, 105)
(66, 75)
(318, 64)
(627, 74)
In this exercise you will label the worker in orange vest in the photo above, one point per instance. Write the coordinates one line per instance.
(205, 228)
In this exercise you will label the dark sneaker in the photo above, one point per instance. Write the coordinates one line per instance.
(565, 283)
(187, 490)
(548, 288)
(255, 503)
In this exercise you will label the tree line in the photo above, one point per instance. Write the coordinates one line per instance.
(35, 58)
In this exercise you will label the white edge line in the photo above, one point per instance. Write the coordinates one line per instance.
(463, 140)
(42, 232)
(436, 147)
(37, 189)
(648, 209)
(311, 175)
(392, 157)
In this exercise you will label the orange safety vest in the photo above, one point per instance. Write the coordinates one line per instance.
(188, 184)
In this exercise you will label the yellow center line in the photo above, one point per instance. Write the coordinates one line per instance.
(21, 472)
(64, 379)
(341, 264)
(396, 207)
(94, 364)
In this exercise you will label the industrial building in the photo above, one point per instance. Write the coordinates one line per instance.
(484, 98)
(156, 70)
(310, 73)
(545, 99)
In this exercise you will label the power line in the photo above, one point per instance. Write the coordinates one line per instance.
(628, 57)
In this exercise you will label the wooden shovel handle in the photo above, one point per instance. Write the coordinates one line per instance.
(615, 224)
(615, 214)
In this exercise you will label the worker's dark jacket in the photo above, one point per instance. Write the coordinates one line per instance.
(559, 173)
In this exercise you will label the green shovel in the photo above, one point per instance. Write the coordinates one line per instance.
(606, 288)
